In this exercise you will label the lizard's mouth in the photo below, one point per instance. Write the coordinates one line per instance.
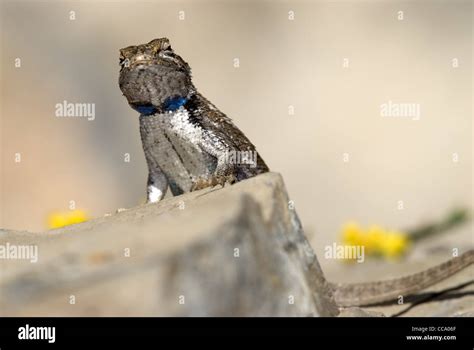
(148, 61)
(140, 58)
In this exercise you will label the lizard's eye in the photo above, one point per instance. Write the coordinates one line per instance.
(124, 62)
(166, 46)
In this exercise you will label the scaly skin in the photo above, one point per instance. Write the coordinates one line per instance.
(189, 144)
(371, 293)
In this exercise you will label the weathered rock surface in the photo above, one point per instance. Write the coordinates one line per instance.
(358, 312)
(237, 251)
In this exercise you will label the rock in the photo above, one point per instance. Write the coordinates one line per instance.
(465, 314)
(236, 251)
(358, 312)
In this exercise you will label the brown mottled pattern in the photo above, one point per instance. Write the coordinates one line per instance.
(370, 293)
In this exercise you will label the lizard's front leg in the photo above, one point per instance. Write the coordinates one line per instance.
(157, 185)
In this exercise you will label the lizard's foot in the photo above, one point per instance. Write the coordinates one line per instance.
(213, 181)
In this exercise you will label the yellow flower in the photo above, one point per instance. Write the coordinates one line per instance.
(61, 219)
(352, 233)
(376, 240)
(394, 244)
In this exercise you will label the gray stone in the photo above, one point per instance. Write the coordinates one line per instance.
(359, 312)
(236, 251)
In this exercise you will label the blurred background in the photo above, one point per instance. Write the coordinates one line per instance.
(308, 91)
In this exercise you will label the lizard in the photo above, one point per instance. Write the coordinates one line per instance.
(187, 141)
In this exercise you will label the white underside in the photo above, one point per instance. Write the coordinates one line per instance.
(154, 194)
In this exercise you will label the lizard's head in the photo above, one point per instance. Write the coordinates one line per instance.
(153, 78)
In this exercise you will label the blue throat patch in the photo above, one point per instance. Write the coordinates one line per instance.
(173, 103)
(147, 109)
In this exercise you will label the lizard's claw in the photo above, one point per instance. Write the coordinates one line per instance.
(213, 181)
